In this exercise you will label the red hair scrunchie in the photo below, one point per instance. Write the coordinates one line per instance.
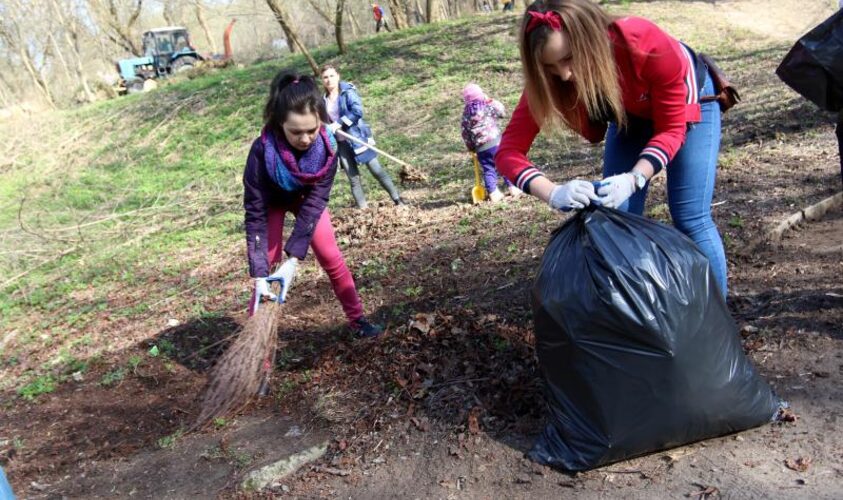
(551, 19)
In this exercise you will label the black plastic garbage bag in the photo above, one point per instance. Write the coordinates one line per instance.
(814, 66)
(637, 348)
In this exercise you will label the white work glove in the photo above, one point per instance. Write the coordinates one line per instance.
(287, 272)
(333, 127)
(615, 190)
(262, 292)
(574, 194)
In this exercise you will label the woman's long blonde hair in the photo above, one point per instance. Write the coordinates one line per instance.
(595, 86)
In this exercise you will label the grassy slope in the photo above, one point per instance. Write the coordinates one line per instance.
(142, 194)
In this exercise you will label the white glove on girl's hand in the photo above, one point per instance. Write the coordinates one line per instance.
(574, 194)
(333, 127)
(616, 189)
(262, 292)
(287, 272)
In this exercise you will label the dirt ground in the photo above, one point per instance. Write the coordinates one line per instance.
(448, 401)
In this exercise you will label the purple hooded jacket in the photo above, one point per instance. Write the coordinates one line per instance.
(262, 192)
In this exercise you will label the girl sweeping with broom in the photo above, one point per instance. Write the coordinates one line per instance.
(291, 168)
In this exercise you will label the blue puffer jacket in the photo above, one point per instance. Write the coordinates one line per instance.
(351, 118)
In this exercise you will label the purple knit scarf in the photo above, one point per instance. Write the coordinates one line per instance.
(282, 165)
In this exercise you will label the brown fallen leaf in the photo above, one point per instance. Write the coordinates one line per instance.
(705, 492)
(786, 415)
(473, 422)
(450, 485)
(422, 424)
(675, 455)
(423, 323)
(801, 464)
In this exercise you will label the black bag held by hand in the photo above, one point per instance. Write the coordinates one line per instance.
(814, 66)
(636, 346)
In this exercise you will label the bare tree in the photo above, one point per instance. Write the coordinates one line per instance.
(199, 8)
(323, 12)
(338, 26)
(169, 12)
(26, 46)
(355, 25)
(430, 7)
(117, 19)
(397, 8)
(71, 31)
(280, 11)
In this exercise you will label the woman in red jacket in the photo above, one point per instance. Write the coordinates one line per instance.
(625, 80)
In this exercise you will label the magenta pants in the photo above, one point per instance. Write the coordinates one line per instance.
(324, 245)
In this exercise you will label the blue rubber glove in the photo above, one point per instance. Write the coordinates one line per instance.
(572, 195)
(615, 190)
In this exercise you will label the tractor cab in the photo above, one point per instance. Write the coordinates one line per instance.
(165, 51)
(166, 46)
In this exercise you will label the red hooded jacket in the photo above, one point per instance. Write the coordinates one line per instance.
(377, 11)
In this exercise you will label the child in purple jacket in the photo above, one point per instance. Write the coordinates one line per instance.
(291, 168)
(481, 135)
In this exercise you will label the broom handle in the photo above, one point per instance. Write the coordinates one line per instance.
(376, 150)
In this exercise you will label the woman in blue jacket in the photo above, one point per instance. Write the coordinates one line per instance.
(346, 110)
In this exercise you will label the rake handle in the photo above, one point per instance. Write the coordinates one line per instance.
(376, 150)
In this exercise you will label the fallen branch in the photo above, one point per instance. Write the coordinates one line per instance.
(331, 470)
(811, 213)
(24, 273)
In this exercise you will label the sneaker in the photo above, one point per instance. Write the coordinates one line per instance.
(515, 192)
(361, 328)
(399, 202)
(495, 196)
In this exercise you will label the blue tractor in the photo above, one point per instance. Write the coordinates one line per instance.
(166, 51)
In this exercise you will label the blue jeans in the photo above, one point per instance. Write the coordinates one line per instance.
(5, 489)
(690, 178)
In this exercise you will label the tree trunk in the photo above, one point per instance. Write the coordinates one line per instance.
(4, 98)
(60, 56)
(283, 19)
(429, 10)
(40, 83)
(338, 26)
(322, 12)
(355, 25)
(12, 91)
(168, 13)
(71, 35)
(200, 16)
(396, 7)
(120, 32)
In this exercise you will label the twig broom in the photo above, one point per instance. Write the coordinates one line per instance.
(244, 369)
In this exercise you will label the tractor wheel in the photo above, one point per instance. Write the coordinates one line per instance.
(183, 64)
(134, 86)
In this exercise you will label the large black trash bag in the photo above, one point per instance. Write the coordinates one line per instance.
(814, 66)
(637, 348)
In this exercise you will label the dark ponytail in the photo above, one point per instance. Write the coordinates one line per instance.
(296, 93)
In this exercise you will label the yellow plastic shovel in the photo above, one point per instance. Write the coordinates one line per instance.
(478, 192)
